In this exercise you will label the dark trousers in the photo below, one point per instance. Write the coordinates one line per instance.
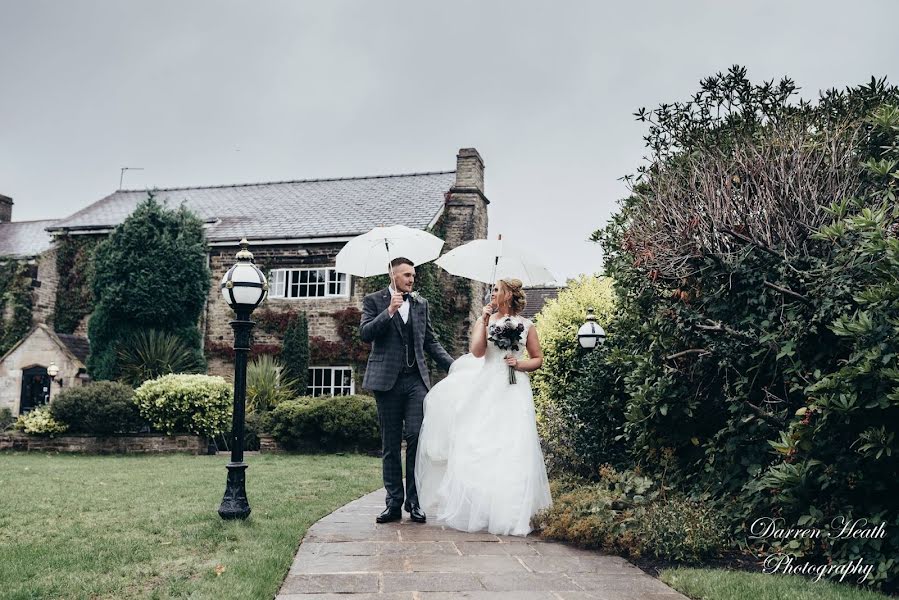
(402, 404)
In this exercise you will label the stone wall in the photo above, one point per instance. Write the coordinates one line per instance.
(465, 215)
(118, 444)
(45, 294)
(318, 310)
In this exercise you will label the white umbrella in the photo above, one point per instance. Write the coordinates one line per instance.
(490, 260)
(370, 253)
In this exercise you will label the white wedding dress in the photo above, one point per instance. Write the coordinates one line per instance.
(479, 464)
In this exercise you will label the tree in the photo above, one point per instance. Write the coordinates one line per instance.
(150, 273)
(754, 265)
(295, 353)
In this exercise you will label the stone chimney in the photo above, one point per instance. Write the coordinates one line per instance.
(465, 219)
(465, 211)
(5, 209)
(469, 170)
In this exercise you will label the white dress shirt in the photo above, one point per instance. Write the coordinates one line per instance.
(404, 307)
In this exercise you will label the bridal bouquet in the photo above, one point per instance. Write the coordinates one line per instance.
(506, 335)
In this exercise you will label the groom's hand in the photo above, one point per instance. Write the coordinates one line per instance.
(396, 301)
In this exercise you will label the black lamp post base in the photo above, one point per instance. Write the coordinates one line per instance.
(234, 504)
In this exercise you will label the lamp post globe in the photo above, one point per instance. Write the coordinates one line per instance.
(591, 334)
(244, 287)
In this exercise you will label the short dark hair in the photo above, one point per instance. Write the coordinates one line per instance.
(401, 260)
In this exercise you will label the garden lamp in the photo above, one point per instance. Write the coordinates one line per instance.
(244, 287)
(52, 371)
(591, 335)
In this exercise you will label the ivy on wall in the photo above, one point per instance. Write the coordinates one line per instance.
(74, 264)
(15, 292)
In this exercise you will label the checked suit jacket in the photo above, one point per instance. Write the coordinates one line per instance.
(387, 350)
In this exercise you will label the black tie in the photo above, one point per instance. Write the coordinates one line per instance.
(406, 297)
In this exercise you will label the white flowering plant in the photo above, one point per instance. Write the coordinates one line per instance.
(39, 422)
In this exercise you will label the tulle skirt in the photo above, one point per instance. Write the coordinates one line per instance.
(479, 464)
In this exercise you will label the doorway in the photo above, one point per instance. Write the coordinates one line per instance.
(35, 388)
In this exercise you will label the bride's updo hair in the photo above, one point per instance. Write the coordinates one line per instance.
(517, 299)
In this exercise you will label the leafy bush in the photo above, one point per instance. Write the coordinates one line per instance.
(326, 424)
(680, 529)
(625, 513)
(150, 272)
(39, 421)
(101, 407)
(754, 342)
(6, 419)
(568, 417)
(252, 428)
(177, 403)
(149, 353)
(267, 384)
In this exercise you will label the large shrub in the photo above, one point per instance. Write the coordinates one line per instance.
(150, 273)
(326, 424)
(754, 339)
(567, 418)
(199, 404)
(101, 407)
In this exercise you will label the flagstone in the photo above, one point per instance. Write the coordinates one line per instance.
(347, 555)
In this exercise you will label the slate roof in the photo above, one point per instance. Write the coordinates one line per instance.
(288, 209)
(24, 239)
(79, 346)
(537, 297)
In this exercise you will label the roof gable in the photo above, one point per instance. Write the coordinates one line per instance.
(78, 344)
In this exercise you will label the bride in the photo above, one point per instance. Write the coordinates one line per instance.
(479, 464)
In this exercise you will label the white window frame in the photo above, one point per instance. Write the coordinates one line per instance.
(279, 283)
(311, 387)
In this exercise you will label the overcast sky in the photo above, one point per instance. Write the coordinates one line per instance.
(208, 93)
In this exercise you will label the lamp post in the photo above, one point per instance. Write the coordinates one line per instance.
(591, 335)
(52, 371)
(244, 288)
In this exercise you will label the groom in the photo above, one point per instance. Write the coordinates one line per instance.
(399, 328)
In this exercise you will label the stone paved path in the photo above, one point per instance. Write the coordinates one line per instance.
(347, 556)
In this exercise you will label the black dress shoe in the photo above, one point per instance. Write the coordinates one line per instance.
(389, 515)
(417, 514)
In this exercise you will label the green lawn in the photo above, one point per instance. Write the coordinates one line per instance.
(717, 584)
(146, 526)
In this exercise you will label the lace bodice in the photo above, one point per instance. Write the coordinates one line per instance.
(494, 353)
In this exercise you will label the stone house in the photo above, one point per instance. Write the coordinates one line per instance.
(295, 230)
(24, 381)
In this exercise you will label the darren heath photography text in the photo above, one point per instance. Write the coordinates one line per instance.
(840, 528)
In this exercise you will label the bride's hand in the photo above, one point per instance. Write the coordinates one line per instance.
(488, 310)
(512, 361)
